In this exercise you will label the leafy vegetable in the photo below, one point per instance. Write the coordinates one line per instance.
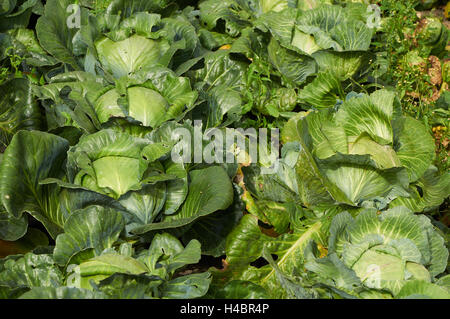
(141, 154)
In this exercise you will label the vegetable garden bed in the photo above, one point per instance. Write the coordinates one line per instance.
(224, 149)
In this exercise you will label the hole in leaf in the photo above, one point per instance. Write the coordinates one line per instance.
(419, 190)
(264, 225)
(261, 261)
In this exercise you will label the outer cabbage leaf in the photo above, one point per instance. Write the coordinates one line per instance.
(210, 190)
(187, 287)
(30, 270)
(322, 92)
(16, 14)
(41, 156)
(149, 274)
(54, 34)
(26, 45)
(434, 189)
(238, 289)
(212, 230)
(245, 244)
(19, 110)
(127, 8)
(212, 11)
(422, 290)
(416, 154)
(68, 99)
(293, 66)
(61, 293)
(12, 228)
(313, 186)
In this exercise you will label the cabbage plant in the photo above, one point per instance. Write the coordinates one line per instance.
(129, 174)
(366, 153)
(104, 270)
(148, 98)
(378, 254)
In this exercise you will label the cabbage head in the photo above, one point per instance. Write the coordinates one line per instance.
(393, 252)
